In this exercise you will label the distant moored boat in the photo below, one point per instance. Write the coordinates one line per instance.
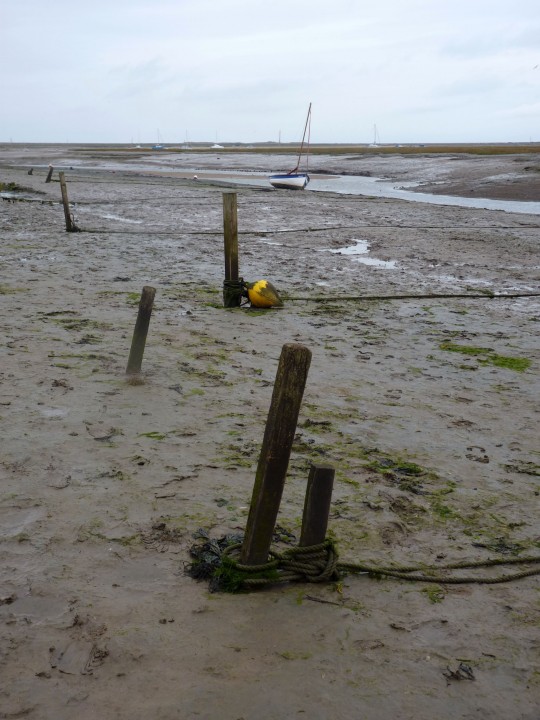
(290, 181)
(295, 180)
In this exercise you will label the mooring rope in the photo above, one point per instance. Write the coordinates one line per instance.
(488, 295)
(320, 563)
(233, 291)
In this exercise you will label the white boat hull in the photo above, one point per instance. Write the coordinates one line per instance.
(291, 181)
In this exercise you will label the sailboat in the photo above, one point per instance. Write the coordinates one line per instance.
(295, 180)
(376, 140)
(159, 145)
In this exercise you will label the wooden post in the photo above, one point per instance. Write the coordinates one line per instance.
(275, 452)
(138, 342)
(49, 174)
(317, 505)
(231, 291)
(70, 225)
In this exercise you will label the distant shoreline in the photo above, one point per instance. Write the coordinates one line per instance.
(502, 148)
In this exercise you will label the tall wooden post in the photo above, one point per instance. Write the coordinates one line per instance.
(317, 505)
(138, 342)
(49, 174)
(70, 225)
(231, 287)
(275, 452)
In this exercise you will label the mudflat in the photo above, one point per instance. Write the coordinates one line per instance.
(426, 406)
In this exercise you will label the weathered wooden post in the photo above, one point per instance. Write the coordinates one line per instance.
(49, 174)
(317, 505)
(70, 225)
(138, 342)
(275, 452)
(232, 286)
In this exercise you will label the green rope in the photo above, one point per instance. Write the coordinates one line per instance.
(233, 291)
(319, 563)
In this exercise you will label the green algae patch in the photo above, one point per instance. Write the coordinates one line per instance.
(401, 472)
(10, 290)
(465, 349)
(231, 579)
(13, 187)
(133, 298)
(443, 511)
(386, 464)
(487, 356)
(518, 364)
(434, 593)
(236, 455)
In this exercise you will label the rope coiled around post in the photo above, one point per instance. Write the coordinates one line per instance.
(320, 563)
(315, 564)
(233, 291)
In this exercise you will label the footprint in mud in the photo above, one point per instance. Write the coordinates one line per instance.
(78, 657)
(462, 423)
(475, 453)
(392, 532)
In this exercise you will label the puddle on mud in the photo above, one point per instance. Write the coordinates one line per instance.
(106, 216)
(110, 216)
(374, 262)
(358, 253)
(54, 413)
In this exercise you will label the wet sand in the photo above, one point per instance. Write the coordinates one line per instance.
(105, 482)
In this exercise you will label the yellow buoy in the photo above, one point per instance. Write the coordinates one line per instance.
(263, 294)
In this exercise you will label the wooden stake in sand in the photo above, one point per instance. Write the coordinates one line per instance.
(317, 505)
(70, 225)
(232, 292)
(49, 174)
(275, 452)
(138, 342)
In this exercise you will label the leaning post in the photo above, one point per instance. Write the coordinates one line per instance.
(275, 452)
(232, 293)
(70, 225)
(138, 342)
(49, 174)
(317, 505)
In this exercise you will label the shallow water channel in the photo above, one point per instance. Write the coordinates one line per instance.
(341, 184)
(372, 187)
(376, 187)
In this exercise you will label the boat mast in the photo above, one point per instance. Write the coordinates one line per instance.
(308, 124)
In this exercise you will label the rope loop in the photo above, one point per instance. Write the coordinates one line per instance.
(315, 564)
(233, 291)
(320, 563)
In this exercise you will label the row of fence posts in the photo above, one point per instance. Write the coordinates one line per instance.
(282, 418)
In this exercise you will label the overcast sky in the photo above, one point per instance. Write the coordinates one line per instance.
(245, 70)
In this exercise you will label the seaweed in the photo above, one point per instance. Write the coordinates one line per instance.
(211, 562)
(208, 557)
(487, 356)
